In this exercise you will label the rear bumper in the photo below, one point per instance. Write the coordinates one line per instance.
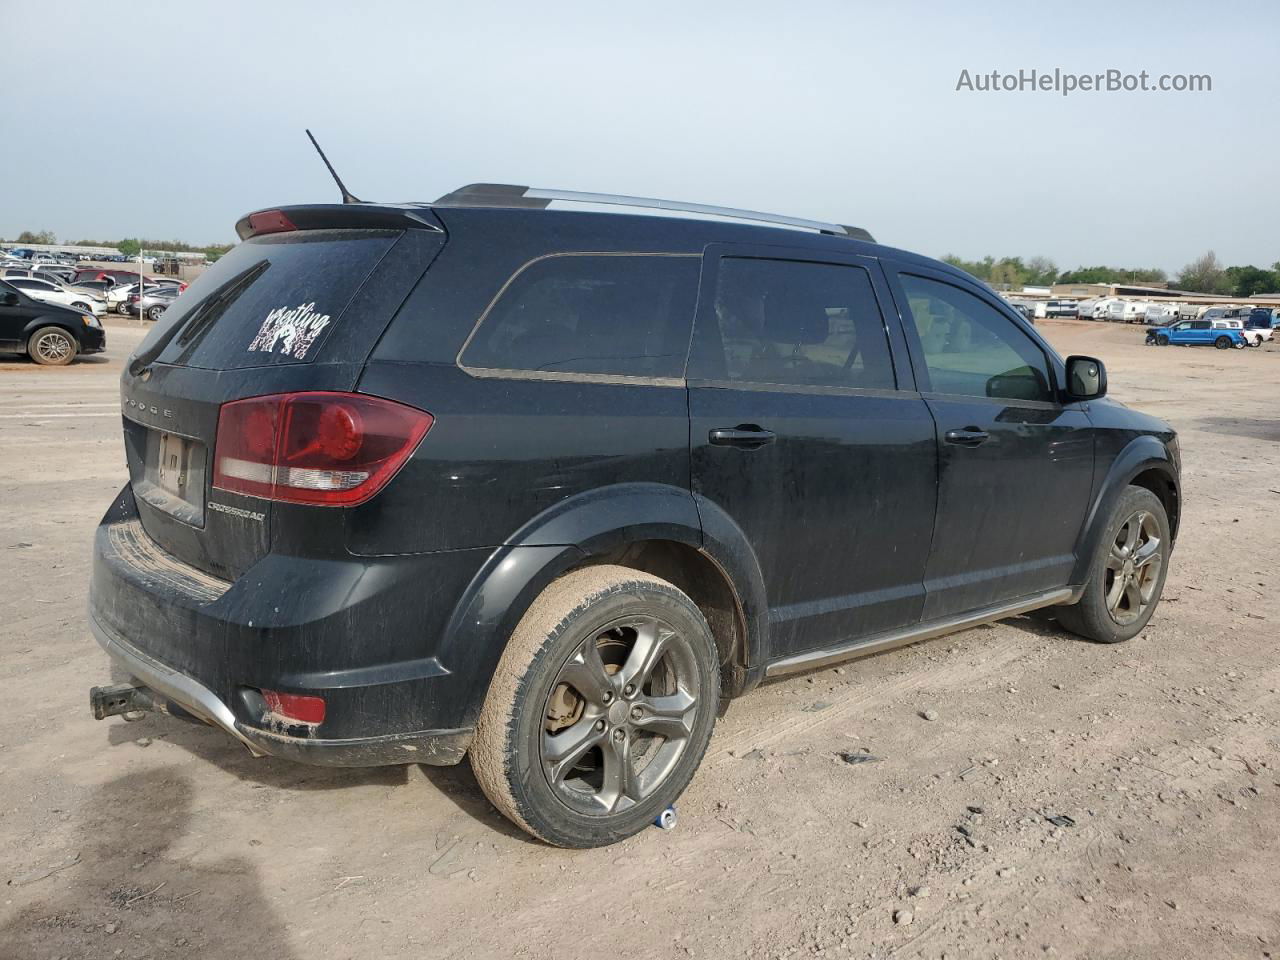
(437, 747)
(362, 633)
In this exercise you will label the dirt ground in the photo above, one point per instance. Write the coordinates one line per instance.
(162, 839)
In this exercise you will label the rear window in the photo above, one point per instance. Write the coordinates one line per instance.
(615, 315)
(271, 300)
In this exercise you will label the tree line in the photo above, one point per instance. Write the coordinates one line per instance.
(129, 246)
(1204, 274)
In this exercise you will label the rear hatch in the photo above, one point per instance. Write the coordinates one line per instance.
(286, 310)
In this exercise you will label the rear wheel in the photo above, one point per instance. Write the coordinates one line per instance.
(154, 313)
(1126, 574)
(600, 709)
(1222, 343)
(52, 347)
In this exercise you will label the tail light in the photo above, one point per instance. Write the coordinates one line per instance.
(332, 449)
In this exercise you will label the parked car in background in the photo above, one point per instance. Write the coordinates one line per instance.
(1191, 333)
(102, 273)
(95, 288)
(118, 296)
(51, 292)
(151, 303)
(58, 274)
(48, 333)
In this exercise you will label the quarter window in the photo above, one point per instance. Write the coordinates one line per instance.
(972, 349)
(621, 315)
(797, 323)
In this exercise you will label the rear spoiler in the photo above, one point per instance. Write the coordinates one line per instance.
(336, 216)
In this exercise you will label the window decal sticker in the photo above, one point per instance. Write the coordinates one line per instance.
(292, 330)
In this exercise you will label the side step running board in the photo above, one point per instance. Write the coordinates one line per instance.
(813, 659)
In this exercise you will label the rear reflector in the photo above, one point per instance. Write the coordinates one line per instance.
(270, 221)
(293, 706)
(330, 449)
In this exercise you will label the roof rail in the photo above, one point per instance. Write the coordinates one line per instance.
(512, 195)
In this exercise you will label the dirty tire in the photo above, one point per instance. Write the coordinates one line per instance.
(52, 347)
(1090, 617)
(507, 752)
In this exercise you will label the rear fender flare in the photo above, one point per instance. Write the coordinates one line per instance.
(1142, 454)
(601, 522)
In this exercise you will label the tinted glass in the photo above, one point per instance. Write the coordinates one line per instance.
(803, 324)
(626, 315)
(271, 300)
(972, 349)
(1201, 325)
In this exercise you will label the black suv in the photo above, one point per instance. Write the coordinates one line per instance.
(549, 488)
(48, 333)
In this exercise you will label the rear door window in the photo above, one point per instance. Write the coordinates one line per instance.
(271, 300)
(588, 315)
(798, 323)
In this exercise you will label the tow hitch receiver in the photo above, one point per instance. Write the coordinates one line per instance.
(122, 700)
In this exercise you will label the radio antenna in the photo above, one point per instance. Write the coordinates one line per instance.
(347, 195)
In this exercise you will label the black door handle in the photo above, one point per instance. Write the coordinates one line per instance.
(745, 435)
(968, 437)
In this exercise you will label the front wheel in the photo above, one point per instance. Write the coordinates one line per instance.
(1162, 339)
(1127, 572)
(52, 347)
(600, 709)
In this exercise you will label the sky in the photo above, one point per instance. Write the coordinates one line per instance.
(172, 120)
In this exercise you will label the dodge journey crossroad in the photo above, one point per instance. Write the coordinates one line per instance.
(546, 487)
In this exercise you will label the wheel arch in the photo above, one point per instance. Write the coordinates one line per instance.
(1144, 462)
(650, 527)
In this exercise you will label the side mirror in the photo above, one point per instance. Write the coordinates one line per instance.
(1086, 378)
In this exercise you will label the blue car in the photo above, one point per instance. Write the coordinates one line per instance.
(1200, 333)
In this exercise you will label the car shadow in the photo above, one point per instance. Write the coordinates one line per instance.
(213, 746)
(135, 891)
(456, 784)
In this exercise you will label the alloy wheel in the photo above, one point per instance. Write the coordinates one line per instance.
(619, 716)
(53, 347)
(1133, 567)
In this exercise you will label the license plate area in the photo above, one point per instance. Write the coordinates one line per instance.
(173, 478)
